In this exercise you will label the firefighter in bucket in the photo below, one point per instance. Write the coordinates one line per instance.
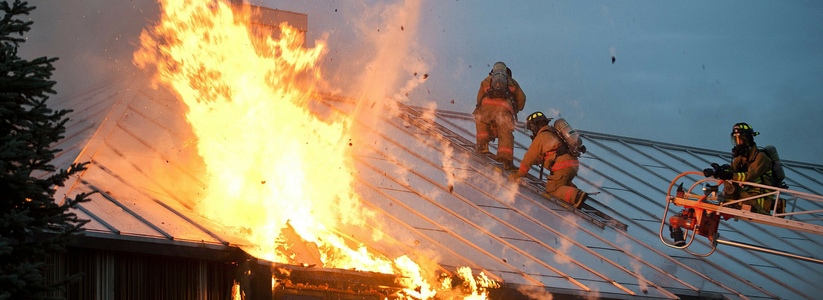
(749, 164)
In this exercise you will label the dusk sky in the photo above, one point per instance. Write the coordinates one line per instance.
(684, 72)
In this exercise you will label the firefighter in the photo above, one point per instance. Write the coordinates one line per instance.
(548, 149)
(748, 164)
(499, 99)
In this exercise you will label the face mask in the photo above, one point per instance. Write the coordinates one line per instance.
(738, 140)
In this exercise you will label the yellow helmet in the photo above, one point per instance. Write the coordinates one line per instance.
(742, 134)
(535, 121)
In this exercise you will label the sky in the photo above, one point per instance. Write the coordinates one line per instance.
(684, 72)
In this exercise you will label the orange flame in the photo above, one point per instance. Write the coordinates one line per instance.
(272, 165)
(270, 161)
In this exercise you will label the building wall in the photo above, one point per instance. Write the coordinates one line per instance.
(121, 275)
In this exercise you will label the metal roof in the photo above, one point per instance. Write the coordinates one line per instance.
(423, 179)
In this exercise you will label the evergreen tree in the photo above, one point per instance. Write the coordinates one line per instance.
(33, 226)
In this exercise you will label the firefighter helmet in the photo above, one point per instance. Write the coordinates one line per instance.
(743, 134)
(535, 121)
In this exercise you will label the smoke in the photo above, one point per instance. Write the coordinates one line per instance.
(93, 39)
(507, 193)
(565, 246)
(451, 166)
(535, 292)
(393, 33)
(642, 283)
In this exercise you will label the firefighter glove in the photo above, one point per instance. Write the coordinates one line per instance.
(723, 175)
(719, 172)
(514, 177)
(708, 172)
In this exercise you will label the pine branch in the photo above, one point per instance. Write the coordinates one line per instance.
(32, 225)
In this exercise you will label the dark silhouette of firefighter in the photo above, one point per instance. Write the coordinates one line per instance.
(555, 148)
(749, 164)
(499, 99)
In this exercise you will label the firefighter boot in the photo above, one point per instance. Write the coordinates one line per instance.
(508, 165)
(483, 148)
(580, 199)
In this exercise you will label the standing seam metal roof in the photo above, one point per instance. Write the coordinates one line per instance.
(516, 235)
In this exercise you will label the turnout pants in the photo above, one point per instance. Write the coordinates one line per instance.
(559, 185)
(501, 115)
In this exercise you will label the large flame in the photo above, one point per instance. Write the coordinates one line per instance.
(272, 165)
(269, 160)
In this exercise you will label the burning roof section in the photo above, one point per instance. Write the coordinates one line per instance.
(432, 197)
(237, 157)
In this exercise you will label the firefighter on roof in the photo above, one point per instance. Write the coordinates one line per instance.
(549, 150)
(499, 99)
(748, 164)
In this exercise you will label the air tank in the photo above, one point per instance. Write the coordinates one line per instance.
(569, 135)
